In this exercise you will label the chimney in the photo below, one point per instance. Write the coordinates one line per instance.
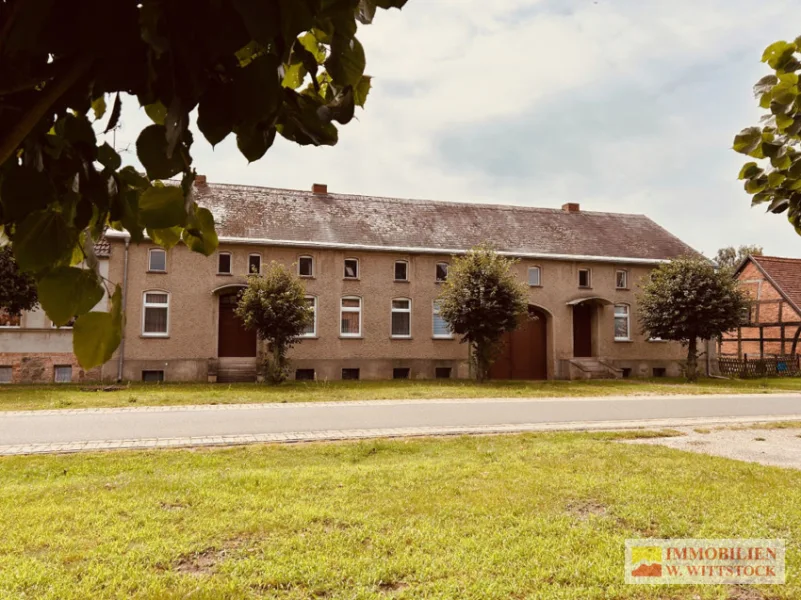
(571, 207)
(320, 188)
(200, 180)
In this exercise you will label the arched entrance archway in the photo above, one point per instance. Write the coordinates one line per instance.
(524, 354)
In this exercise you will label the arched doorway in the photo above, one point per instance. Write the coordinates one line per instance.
(524, 354)
(234, 341)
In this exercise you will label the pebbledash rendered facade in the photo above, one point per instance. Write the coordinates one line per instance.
(372, 269)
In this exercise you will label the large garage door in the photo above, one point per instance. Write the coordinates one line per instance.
(524, 353)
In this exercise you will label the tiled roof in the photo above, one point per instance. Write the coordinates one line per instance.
(102, 248)
(785, 273)
(343, 220)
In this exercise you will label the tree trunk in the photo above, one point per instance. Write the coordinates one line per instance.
(481, 360)
(692, 360)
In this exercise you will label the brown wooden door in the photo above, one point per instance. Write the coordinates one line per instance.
(524, 351)
(582, 330)
(235, 340)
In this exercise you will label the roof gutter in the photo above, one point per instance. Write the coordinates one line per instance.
(418, 250)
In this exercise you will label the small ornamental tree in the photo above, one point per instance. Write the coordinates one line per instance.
(17, 289)
(688, 299)
(481, 300)
(274, 305)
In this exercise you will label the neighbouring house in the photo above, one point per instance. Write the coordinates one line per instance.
(33, 350)
(373, 268)
(774, 321)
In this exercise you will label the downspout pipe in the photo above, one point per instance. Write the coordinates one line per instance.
(121, 359)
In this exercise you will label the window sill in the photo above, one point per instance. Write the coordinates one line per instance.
(443, 339)
(309, 337)
(225, 274)
(585, 287)
(400, 337)
(306, 276)
(351, 279)
(149, 272)
(538, 285)
(625, 289)
(154, 337)
(351, 337)
(622, 341)
(401, 281)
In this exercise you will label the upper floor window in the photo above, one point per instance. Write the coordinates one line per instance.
(224, 263)
(254, 264)
(311, 328)
(401, 270)
(442, 271)
(441, 328)
(622, 323)
(621, 279)
(351, 317)
(306, 266)
(534, 276)
(402, 318)
(351, 268)
(157, 260)
(156, 314)
(584, 278)
(9, 320)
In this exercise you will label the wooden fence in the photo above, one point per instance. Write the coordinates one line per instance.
(769, 366)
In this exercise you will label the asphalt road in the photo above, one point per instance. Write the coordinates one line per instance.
(53, 427)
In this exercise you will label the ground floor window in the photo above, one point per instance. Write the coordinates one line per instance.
(5, 374)
(441, 328)
(659, 371)
(155, 318)
(442, 372)
(351, 317)
(401, 373)
(304, 374)
(153, 376)
(311, 328)
(622, 324)
(350, 374)
(401, 318)
(62, 373)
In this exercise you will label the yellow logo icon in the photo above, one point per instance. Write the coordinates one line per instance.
(650, 554)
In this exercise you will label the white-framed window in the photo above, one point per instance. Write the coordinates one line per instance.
(622, 323)
(401, 318)
(254, 264)
(311, 328)
(9, 320)
(441, 328)
(225, 263)
(534, 276)
(6, 374)
(306, 266)
(584, 278)
(156, 314)
(442, 271)
(62, 373)
(351, 268)
(157, 260)
(621, 279)
(401, 270)
(350, 317)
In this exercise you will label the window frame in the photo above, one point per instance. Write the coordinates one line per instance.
(436, 271)
(251, 255)
(393, 310)
(10, 370)
(625, 285)
(343, 309)
(146, 305)
(589, 278)
(628, 323)
(150, 268)
(230, 262)
(311, 259)
(345, 269)
(435, 313)
(313, 334)
(55, 373)
(405, 263)
(538, 268)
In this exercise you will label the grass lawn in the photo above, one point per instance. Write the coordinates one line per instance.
(524, 516)
(35, 397)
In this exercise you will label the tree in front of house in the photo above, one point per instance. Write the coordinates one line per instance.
(481, 300)
(730, 257)
(274, 306)
(17, 289)
(687, 300)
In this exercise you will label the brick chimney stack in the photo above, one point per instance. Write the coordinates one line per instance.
(320, 188)
(571, 207)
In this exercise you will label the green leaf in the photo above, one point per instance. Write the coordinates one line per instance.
(199, 234)
(99, 107)
(778, 54)
(749, 171)
(151, 148)
(23, 191)
(343, 106)
(157, 112)
(108, 157)
(43, 240)
(67, 292)
(361, 90)
(781, 162)
(778, 206)
(754, 186)
(215, 117)
(166, 238)
(784, 121)
(772, 149)
(257, 91)
(129, 176)
(294, 75)
(116, 110)
(253, 142)
(311, 44)
(96, 335)
(748, 140)
(765, 85)
(366, 11)
(346, 63)
(775, 179)
(162, 207)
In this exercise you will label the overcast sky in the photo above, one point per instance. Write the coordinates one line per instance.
(620, 105)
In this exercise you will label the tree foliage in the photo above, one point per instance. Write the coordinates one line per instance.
(689, 299)
(251, 68)
(17, 289)
(731, 257)
(774, 177)
(481, 300)
(274, 305)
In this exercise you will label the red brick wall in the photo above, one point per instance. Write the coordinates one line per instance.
(39, 367)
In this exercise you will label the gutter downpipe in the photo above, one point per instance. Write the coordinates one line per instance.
(121, 358)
